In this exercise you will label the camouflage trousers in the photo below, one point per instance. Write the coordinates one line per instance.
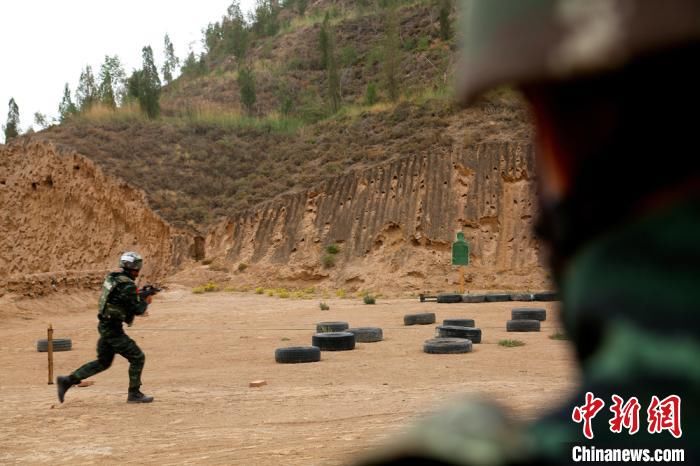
(108, 345)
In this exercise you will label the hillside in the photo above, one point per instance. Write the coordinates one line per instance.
(269, 189)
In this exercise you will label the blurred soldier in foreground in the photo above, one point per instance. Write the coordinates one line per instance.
(119, 302)
(614, 86)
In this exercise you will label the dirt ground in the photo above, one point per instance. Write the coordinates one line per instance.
(203, 350)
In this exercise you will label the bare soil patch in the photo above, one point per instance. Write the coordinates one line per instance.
(202, 351)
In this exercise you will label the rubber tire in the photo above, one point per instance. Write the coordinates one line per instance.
(547, 296)
(522, 297)
(297, 354)
(459, 322)
(327, 327)
(424, 318)
(473, 298)
(497, 297)
(447, 346)
(454, 331)
(334, 341)
(528, 313)
(523, 326)
(367, 334)
(59, 344)
(449, 298)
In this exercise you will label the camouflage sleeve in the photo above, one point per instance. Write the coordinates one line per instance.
(127, 298)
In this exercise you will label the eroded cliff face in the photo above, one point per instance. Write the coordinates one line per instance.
(395, 224)
(63, 222)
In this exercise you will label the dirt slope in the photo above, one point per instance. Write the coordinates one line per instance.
(63, 222)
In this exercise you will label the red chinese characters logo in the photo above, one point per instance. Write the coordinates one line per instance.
(587, 412)
(625, 415)
(665, 415)
(661, 415)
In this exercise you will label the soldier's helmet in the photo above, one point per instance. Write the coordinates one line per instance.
(131, 261)
(537, 41)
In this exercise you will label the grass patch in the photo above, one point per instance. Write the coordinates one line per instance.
(332, 249)
(340, 293)
(206, 288)
(324, 306)
(328, 260)
(259, 290)
(558, 336)
(511, 343)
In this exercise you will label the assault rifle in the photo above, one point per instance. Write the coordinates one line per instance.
(149, 290)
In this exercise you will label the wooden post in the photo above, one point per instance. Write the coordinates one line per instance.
(461, 279)
(49, 341)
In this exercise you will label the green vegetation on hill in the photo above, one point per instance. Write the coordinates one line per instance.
(262, 112)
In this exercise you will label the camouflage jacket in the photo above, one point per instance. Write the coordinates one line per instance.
(119, 301)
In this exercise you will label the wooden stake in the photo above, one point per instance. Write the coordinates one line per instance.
(49, 340)
(461, 279)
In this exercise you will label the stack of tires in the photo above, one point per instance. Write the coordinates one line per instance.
(454, 336)
(526, 319)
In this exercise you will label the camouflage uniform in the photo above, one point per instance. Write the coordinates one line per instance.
(119, 303)
(627, 271)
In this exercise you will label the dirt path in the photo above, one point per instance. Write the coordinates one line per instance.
(203, 350)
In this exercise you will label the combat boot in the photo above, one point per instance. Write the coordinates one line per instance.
(63, 383)
(138, 397)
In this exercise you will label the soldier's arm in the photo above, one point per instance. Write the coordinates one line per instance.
(127, 296)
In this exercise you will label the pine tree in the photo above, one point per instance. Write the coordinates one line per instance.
(106, 90)
(112, 81)
(171, 61)
(444, 15)
(235, 34)
(392, 58)
(246, 83)
(12, 126)
(66, 108)
(87, 93)
(149, 85)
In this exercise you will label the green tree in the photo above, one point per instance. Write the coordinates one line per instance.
(41, 120)
(66, 108)
(87, 92)
(171, 61)
(265, 18)
(444, 16)
(324, 41)
(149, 85)
(106, 88)
(234, 34)
(246, 84)
(392, 50)
(334, 95)
(112, 80)
(12, 126)
(371, 94)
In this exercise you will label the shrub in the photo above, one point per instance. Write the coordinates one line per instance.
(332, 249)
(198, 290)
(369, 299)
(242, 266)
(340, 293)
(324, 306)
(371, 94)
(511, 343)
(328, 260)
(259, 290)
(211, 287)
(283, 293)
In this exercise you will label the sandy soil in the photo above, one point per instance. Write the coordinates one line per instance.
(203, 350)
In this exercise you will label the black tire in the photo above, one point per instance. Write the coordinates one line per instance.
(297, 354)
(334, 341)
(547, 296)
(449, 298)
(473, 298)
(447, 346)
(59, 344)
(497, 297)
(523, 326)
(424, 318)
(453, 331)
(326, 327)
(522, 297)
(459, 322)
(367, 334)
(528, 313)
